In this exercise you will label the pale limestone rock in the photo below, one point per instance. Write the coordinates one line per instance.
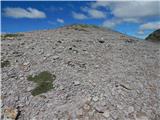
(95, 98)
(106, 114)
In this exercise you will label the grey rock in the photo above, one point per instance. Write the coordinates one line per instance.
(55, 57)
(76, 83)
(130, 109)
(29, 89)
(99, 108)
(106, 114)
(86, 107)
(95, 98)
(79, 112)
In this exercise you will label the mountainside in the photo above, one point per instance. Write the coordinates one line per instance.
(79, 72)
(155, 36)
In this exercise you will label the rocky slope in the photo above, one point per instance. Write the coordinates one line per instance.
(155, 36)
(98, 75)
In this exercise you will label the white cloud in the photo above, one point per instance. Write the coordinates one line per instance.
(96, 13)
(130, 9)
(141, 32)
(143, 29)
(24, 13)
(113, 22)
(136, 9)
(100, 4)
(110, 23)
(79, 16)
(149, 26)
(60, 20)
(93, 13)
(133, 20)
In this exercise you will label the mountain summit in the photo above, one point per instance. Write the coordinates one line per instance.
(79, 72)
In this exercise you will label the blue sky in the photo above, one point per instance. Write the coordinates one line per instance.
(130, 17)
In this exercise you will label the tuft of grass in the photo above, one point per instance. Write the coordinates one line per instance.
(44, 82)
(5, 36)
(5, 63)
(82, 27)
(86, 25)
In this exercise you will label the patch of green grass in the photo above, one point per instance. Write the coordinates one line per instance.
(5, 63)
(44, 82)
(5, 36)
(87, 26)
(81, 27)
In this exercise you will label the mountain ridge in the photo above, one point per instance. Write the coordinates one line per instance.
(79, 73)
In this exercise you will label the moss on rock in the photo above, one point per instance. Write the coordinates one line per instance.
(44, 82)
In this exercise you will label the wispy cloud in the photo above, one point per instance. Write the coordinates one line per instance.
(116, 21)
(100, 4)
(136, 9)
(131, 20)
(79, 16)
(93, 13)
(60, 20)
(130, 9)
(31, 13)
(111, 23)
(96, 13)
(149, 26)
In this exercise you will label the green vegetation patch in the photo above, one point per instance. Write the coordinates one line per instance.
(5, 63)
(5, 36)
(86, 25)
(81, 27)
(154, 36)
(44, 82)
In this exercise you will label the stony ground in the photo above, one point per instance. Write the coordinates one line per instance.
(100, 75)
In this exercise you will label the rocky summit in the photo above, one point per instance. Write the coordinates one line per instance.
(79, 72)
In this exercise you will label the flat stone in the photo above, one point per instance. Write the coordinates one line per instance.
(99, 108)
(86, 107)
(79, 112)
(120, 107)
(91, 113)
(61, 87)
(102, 38)
(95, 98)
(55, 57)
(29, 89)
(48, 55)
(76, 83)
(88, 98)
(16, 98)
(26, 63)
(106, 114)
(141, 116)
(44, 58)
(130, 109)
